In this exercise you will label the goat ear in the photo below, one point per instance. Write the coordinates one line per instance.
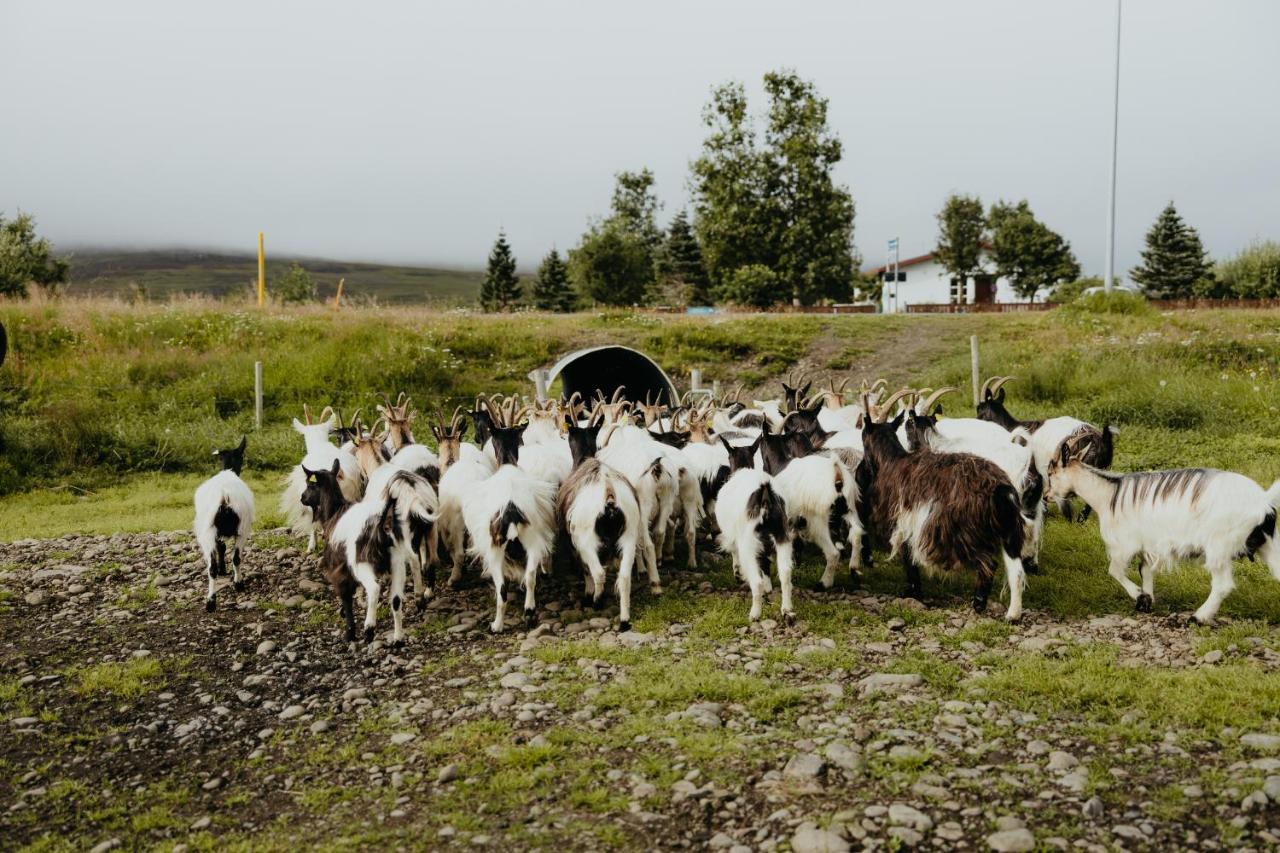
(1064, 454)
(897, 422)
(725, 442)
(462, 428)
(244, 442)
(1000, 396)
(337, 468)
(937, 410)
(299, 426)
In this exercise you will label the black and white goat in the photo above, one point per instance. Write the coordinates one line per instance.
(943, 512)
(752, 518)
(224, 510)
(319, 454)
(510, 518)
(1091, 444)
(406, 454)
(600, 513)
(1165, 516)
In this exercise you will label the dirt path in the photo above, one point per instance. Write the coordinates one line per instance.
(135, 718)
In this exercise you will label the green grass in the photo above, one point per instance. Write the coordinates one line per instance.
(125, 680)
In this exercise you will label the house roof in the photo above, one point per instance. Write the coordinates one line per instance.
(918, 259)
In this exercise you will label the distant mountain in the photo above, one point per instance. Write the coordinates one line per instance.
(161, 272)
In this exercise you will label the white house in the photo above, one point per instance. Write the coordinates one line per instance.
(923, 281)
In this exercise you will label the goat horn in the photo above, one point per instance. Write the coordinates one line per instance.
(306, 413)
(866, 407)
(878, 387)
(887, 405)
(456, 421)
(986, 386)
(617, 394)
(402, 399)
(326, 413)
(999, 383)
(932, 399)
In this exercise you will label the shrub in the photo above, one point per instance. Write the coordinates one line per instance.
(754, 284)
(1069, 291)
(295, 286)
(1252, 274)
(1115, 302)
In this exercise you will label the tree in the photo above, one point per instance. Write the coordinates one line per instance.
(26, 259)
(774, 204)
(680, 262)
(754, 284)
(1174, 263)
(962, 225)
(500, 290)
(295, 286)
(1252, 274)
(635, 206)
(551, 289)
(1027, 252)
(612, 265)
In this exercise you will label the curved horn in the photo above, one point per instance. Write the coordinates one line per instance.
(986, 386)
(929, 402)
(999, 383)
(878, 387)
(326, 413)
(887, 405)
(866, 407)
(306, 413)
(617, 394)
(456, 421)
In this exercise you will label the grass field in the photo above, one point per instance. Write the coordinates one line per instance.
(602, 747)
(161, 274)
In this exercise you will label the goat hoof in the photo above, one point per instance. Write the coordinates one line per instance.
(209, 605)
(819, 586)
(351, 635)
(588, 600)
(1142, 604)
(980, 606)
(788, 619)
(655, 588)
(240, 585)
(368, 634)
(1193, 621)
(624, 626)
(531, 619)
(423, 600)
(1030, 566)
(397, 644)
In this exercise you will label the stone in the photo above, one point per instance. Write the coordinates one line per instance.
(266, 647)
(36, 598)
(1261, 742)
(720, 841)
(292, 711)
(213, 784)
(906, 836)
(319, 726)
(1092, 808)
(1059, 760)
(113, 843)
(447, 774)
(202, 823)
(1130, 832)
(1272, 788)
(805, 765)
(401, 738)
(847, 759)
(888, 682)
(901, 814)
(1012, 841)
(514, 680)
(808, 838)
(1212, 656)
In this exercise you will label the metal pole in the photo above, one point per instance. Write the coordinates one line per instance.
(1115, 137)
(257, 394)
(973, 364)
(262, 274)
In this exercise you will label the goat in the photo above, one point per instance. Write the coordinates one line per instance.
(1164, 516)
(752, 518)
(464, 467)
(510, 518)
(943, 512)
(1093, 445)
(224, 510)
(923, 429)
(600, 512)
(406, 454)
(320, 453)
(644, 462)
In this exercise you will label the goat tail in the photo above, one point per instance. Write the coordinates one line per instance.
(297, 517)
(1010, 521)
(771, 510)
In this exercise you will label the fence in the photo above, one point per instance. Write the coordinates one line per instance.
(979, 308)
(776, 309)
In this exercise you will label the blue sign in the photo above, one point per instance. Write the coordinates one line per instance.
(702, 309)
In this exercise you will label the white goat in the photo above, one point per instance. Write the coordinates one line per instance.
(224, 510)
(1165, 516)
(752, 518)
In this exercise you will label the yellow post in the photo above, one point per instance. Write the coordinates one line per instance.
(337, 300)
(262, 274)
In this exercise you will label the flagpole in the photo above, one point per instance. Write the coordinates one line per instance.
(1115, 136)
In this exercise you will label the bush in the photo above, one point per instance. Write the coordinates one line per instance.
(1069, 291)
(295, 286)
(754, 284)
(1115, 302)
(1252, 274)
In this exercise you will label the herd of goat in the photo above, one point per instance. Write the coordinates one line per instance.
(613, 483)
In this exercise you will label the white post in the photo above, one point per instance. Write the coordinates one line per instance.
(257, 394)
(695, 379)
(715, 388)
(1109, 273)
(540, 383)
(973, 360)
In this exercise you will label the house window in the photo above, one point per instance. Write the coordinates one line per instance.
(957, 291)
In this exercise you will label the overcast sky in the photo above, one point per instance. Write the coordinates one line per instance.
(413, 131)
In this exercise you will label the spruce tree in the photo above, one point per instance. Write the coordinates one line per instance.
(500, 289)
(551, 290)
(681, 259)
(1174, 263)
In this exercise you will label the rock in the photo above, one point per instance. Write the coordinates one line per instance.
(1092, 808)
(805, 765)
(1075, 781)
(1012, 841)
(720, 841)
(319, 726)
(847, 759)
(907, 836)
(809, 838)
(1059, 760)
(1212, 656)
(1261, 742)
(1038, 747)
(447, 774)
(514, 680)
(292, 711)
(1130, 832)
(904, 753)
(24, 722)
(36, 598)
(213, 784)
(266, 647)
(401, 738)
(901, 814)
(202, 823)
(1007, 822)
(888, 682)
(1272, 788)
(113, 843)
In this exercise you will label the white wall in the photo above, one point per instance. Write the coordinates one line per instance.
(929, 283)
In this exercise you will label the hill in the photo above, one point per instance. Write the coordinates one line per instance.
(161, 273)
